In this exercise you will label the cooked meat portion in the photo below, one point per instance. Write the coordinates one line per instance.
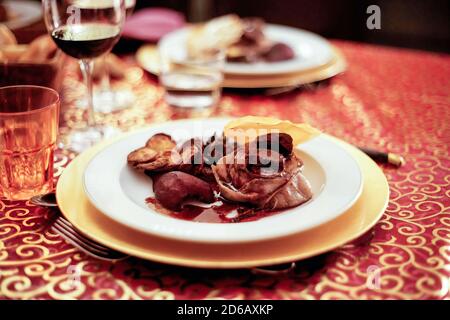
(264, 173)
(279, 52)
(279, 142)
(173, 188)
(217, 147)
(253, 30)
(254, 46)
(293, 193)
(266, 179)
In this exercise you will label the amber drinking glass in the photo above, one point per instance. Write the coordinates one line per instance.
(28, 130)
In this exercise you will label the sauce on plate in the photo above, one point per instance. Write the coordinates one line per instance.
(224, 213)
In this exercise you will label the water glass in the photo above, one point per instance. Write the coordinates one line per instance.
(190, 82)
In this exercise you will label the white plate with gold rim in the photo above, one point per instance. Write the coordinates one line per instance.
(119, 192)
(311, 51)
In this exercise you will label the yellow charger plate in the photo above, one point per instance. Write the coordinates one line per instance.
(76, 207)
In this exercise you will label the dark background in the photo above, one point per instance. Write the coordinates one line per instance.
(417, 24)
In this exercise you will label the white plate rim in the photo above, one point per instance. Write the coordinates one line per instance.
(33, 9)
(322, 55)
(271, 227)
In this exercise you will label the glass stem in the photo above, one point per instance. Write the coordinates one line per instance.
(87, 67)
(106, 81)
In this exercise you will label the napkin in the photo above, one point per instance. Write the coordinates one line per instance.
(151, 24)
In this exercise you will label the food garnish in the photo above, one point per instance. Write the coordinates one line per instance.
(300, 132)
(242, 39)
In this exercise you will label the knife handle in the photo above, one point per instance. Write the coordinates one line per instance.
(384, 157)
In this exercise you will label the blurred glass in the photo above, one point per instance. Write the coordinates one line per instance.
(85, 30)
(191, 82)
(106, 99)
(28, 130)
(129, 7)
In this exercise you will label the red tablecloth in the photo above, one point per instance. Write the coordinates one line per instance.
(389, 99)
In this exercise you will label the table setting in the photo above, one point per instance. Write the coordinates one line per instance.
(233, 159)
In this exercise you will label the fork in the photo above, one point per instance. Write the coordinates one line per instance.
(70, 234)
(65, 229)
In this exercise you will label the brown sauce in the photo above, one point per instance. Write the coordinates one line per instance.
(215, 214)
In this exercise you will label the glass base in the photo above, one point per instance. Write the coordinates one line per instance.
(194, 101)
(80, 140)
(110, 101)
(27, 193)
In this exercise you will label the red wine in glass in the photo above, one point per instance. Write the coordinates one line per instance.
(86, 41)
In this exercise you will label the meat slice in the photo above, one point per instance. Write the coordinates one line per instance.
(173, 188)
(292, 194)
(275, 184)
(279, 52)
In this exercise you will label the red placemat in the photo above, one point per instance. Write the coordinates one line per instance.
(389, 99)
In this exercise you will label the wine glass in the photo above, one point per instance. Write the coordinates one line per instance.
(85, 33)
(105, 99)
(129, 7)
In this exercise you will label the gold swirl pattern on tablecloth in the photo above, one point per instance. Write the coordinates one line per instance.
(389, 99)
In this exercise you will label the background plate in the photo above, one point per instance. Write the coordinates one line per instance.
(148, 58)
(311, 51)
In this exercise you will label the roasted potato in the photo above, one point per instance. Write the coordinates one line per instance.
(161, 142)
(142, 155)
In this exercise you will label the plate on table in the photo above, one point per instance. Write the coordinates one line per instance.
(311, 51)
(367, 210)
(148, 58)
(22, 13)
(118, 191)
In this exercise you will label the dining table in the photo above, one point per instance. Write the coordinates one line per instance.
(388, 99)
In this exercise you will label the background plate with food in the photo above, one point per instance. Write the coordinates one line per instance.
(148, 58)
(309, 50)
